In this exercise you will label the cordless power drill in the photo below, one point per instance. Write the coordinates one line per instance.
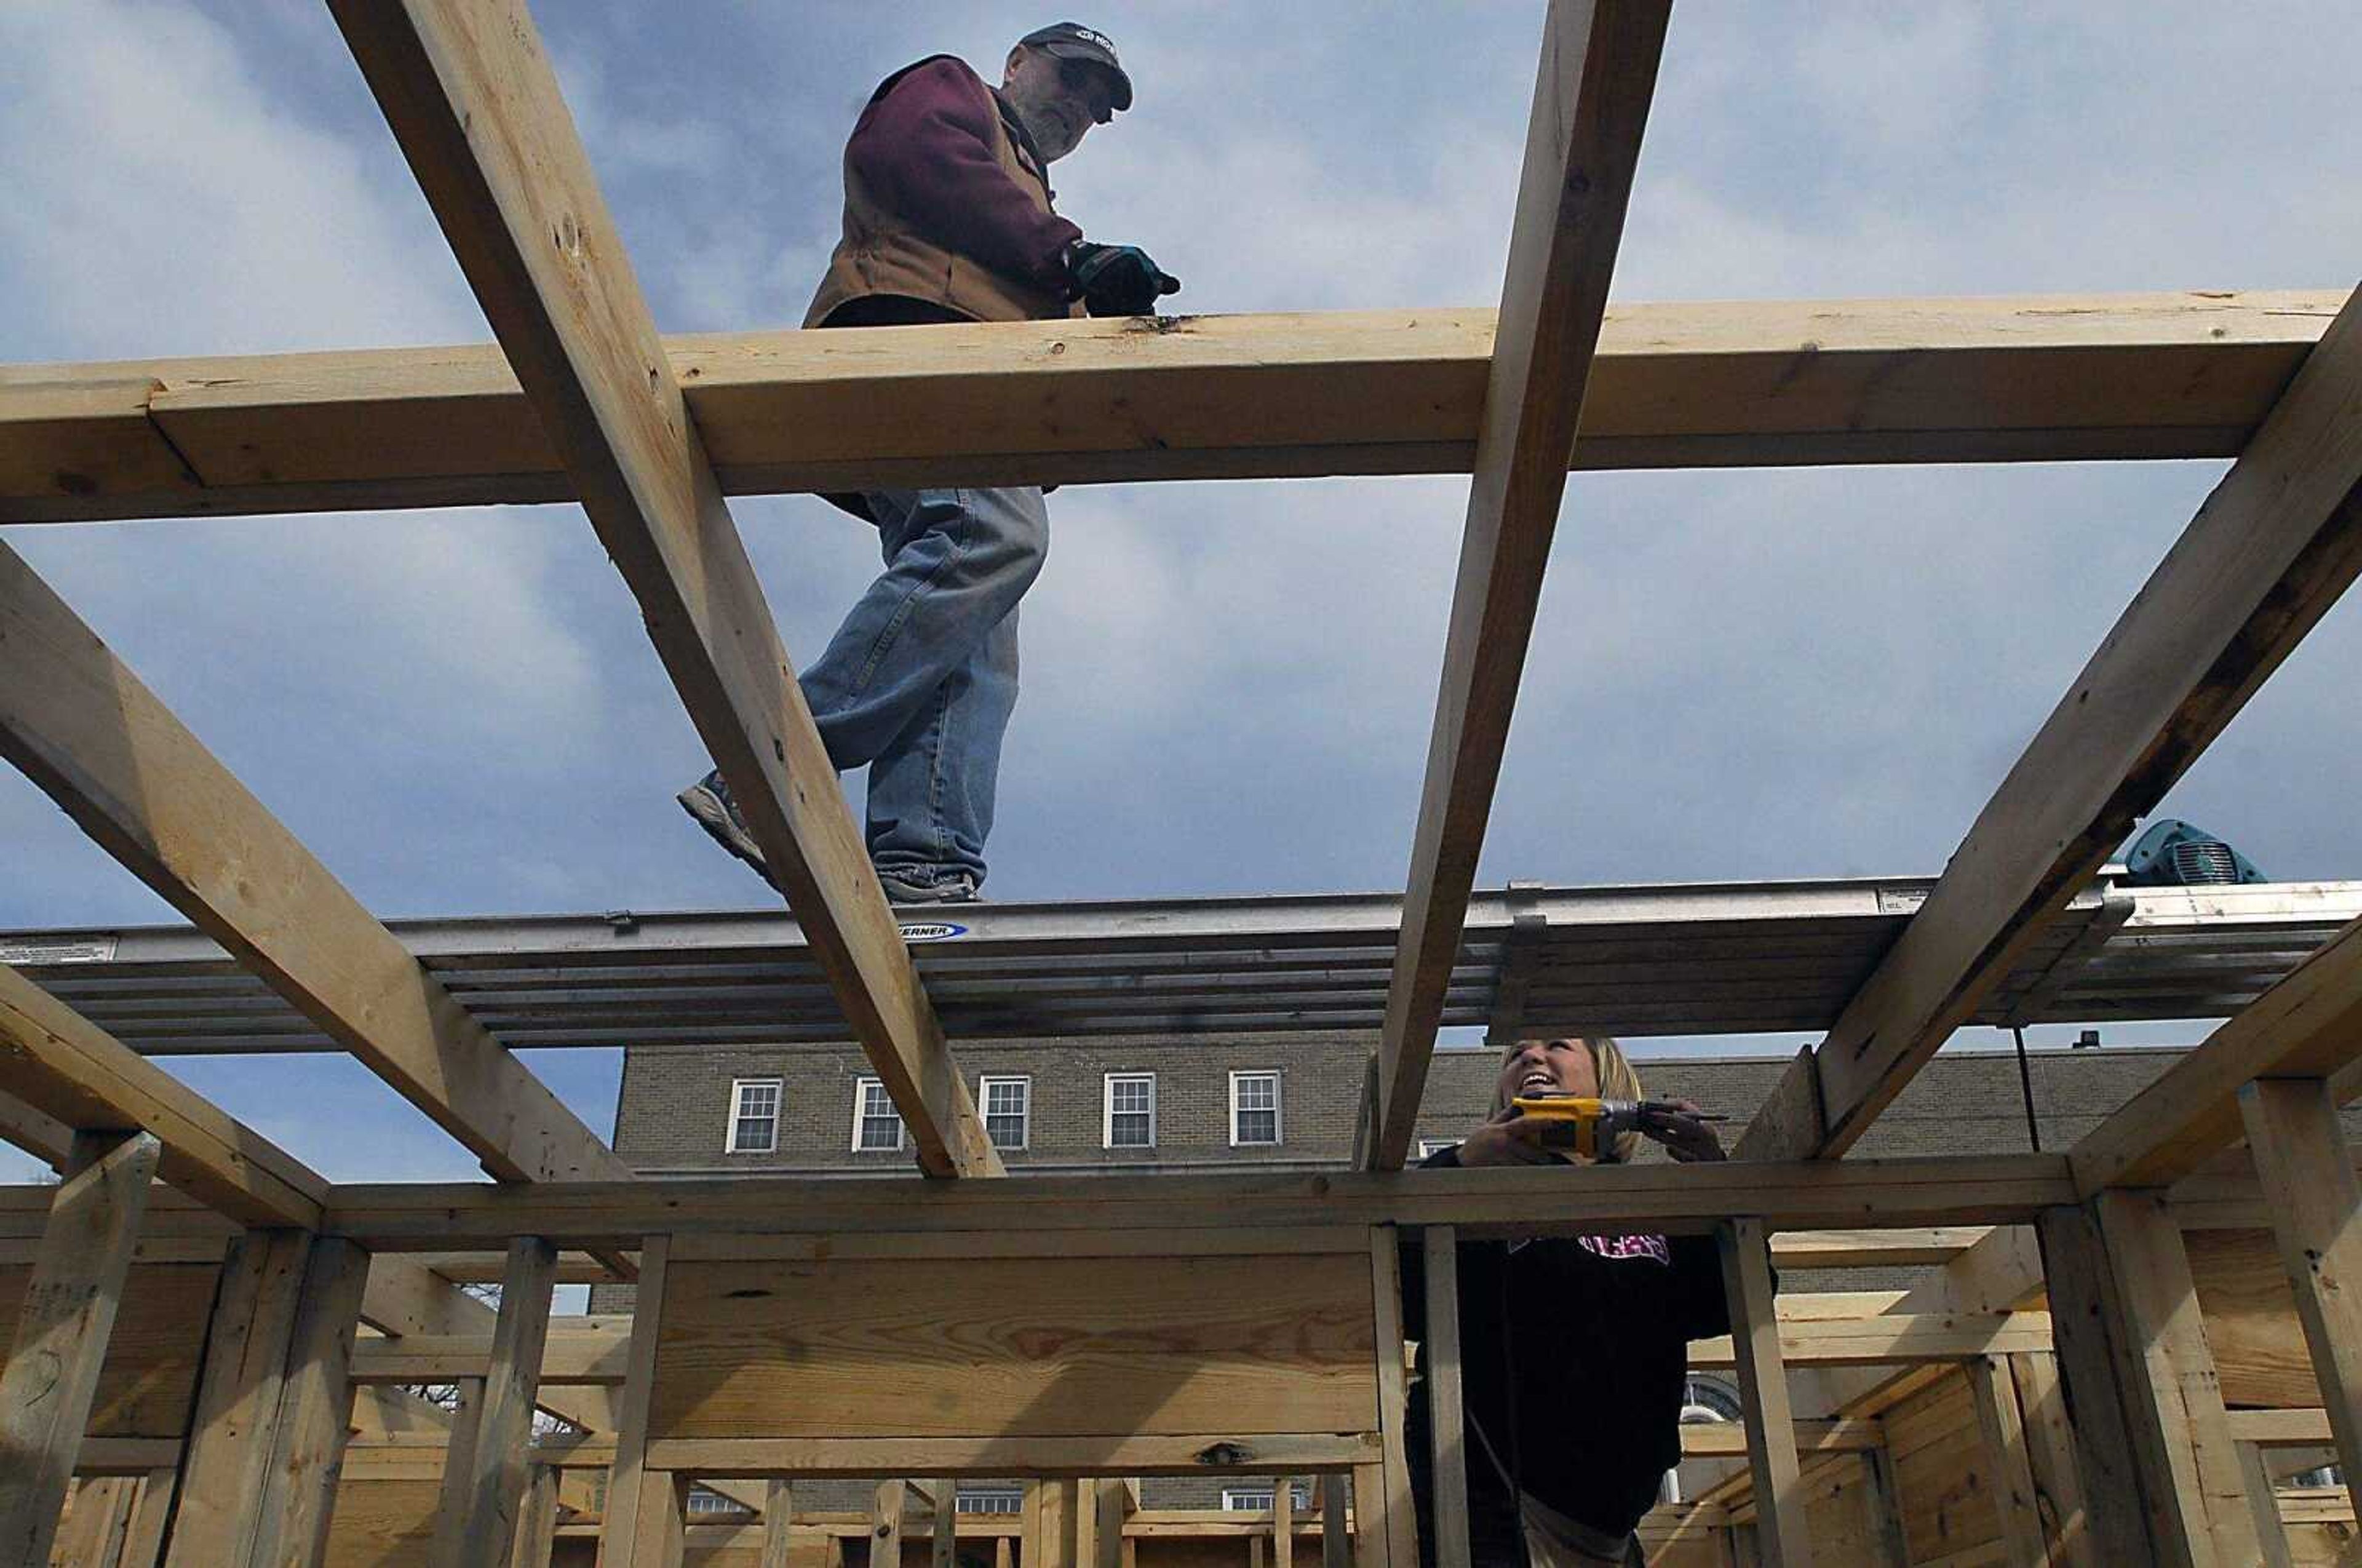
(1590, 1126)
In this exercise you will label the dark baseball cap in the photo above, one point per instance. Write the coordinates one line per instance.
(1072, 41)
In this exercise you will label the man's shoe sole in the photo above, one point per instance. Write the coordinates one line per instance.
(705, 807)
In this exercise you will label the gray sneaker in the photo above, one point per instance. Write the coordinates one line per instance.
(955, 888)
(708, 800)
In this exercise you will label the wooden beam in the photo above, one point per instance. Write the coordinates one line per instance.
(622, 1525)
(84, 728)
(2316, 1204)
(1391, 1516)
(885, 1524)
(2050, 1454)
(1673, 386)
(1583, 143)
(471, 98)
(1727, 1439)
(2307, 1026)
(50, 1378)
(36, 1133)
(1336, 1541)
(1661, 1197)
(1916, 1247)
(63, 1065)
(274, 1405)
(477, 1519)
(779, 1516)
(536, 1526)
(2265, 556)
(1763, 1395)
(2002, 1426)
(1444, 1416)
(577, 1351)
(1889, 1339)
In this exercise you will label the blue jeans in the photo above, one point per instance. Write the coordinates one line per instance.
(921, 679)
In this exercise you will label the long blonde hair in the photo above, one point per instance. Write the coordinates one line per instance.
(1617, 1080)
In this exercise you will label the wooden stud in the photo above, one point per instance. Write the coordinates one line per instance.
(1882, 1497)
(885, 1524)
(2190, 1465)
(1336, 1539)
(661, 1516)
(97, 741)
(1113, 1503)
(946, 1553)
(1583, 142)
(143, 1545)
(483, 1501)
(2264, 1505)
(97, 1517)
(1003, 1556)
(1780, 1496)
(778, 1518)
(2003, 1428)
(62, 1331)
(1446, 1419)
(621, 1527)
(2309, 1186)
(470, 95)
(1283, 1522)
(2050, 1452)
(314, 1416)
(537, 1525)
(1256, 1555)
(1390, 1513)
(2268, 552)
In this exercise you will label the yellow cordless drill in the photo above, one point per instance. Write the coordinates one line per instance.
(1589, 1126)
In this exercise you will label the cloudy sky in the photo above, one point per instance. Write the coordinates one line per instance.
(1229, 686)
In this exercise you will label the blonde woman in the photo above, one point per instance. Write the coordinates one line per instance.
(1574, 1351)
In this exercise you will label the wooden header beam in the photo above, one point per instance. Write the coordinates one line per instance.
(471, 98)
(1688, 384)
(97, 741)
(2269, 552)
(1583, 146)
(62, 1065)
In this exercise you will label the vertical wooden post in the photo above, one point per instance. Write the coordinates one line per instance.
(778, 1518)
(659, 1532)
(2264, 1502)
(947, 1537)
(1114, 1504)
(1003, 1556)
(2181, 1432)
(51, 1378)
(2309, 1191)
(885, 1524)
(1283, 1522)
(2050, 1452)
(536, 1526)
(2119, 1524)
(476, 1520)
(1445, 1417)
(1764, 1389)
(1369, 1516)
(618, 1532)
(1883, 1499)
(144, 1546)
(1256, 1556)
(1390, 1515)
(97, 1516)
(1086, 1524)
(1336, 1540)
(1994, 1394)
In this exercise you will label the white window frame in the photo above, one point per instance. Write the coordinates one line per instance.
(1000, 1500)
(1435, 1146)
(984, 1088)
(1107, 1109)
(738, 1087)
(1278, 1121)
(1263, 1499)
(861, 1087)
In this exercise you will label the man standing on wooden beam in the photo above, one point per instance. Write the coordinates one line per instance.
(947, 219)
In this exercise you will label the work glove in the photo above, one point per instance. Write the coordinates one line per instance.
(1117, 279)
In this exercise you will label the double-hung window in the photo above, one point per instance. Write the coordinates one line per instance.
(1007, 1110)
(875, 1124)
(1254, 1108)
(1131, 1122)
(754, 1116)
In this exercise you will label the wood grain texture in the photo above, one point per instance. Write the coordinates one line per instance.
(1015, 1348)
(62, 1328)
(1681, 384)
(470, 95)
(1583, 143)
(2308, 1178)
(621, 1524)
(2001, 1424)
(1784, 1534)
(151, 1373)
(1446, 1419)
(2272, 548)
(2252, 1325)
(97, 741)
(59, 1062)
(483, 1500)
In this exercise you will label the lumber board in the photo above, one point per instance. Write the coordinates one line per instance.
(2097, 1389)
(1583, 144)
(308, 1431)
(2309, 1025)
(576, 1351)
(623, 1526)
(84, 727)
(2266, 554)
(473, 101)
(2050, 1452)
(151, 1373)
(2001, 1424)
(1727, 1439)
(36, 1133)
(1022, 1348)
(482, 1502)
(2250, 1313)
(1675, 384)
(66, 1067)
(1891, 1338)
(1446, 1420)
(1661, 1197)
(2308, 1178)
(61, 1333)
(1218, 1452)
(1783, 1532)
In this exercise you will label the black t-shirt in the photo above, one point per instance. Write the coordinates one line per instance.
(1574, 1354)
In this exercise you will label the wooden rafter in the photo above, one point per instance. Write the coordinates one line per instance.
(1583, 146)
(2308, 1026)
(2266, 556)
(63, 1066)
(1677, 384)
(79, 724)
(471, 98)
